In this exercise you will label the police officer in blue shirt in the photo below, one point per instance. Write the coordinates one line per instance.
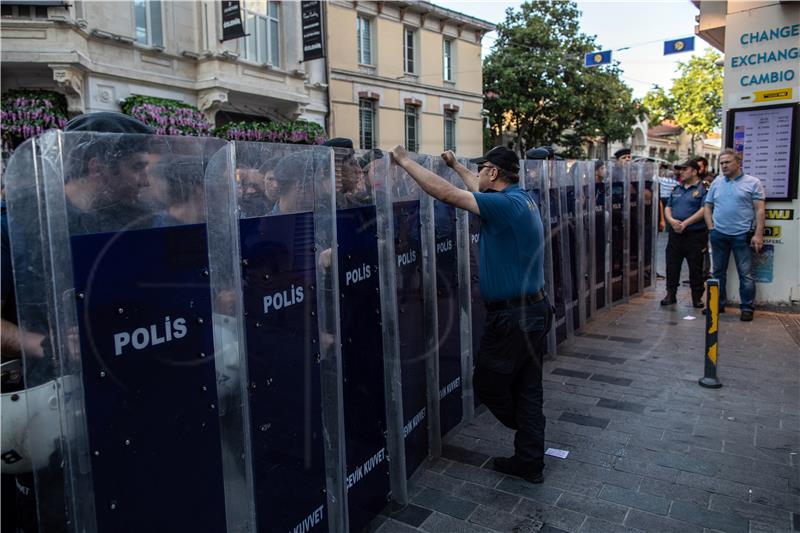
(508, 365)
(688, 235)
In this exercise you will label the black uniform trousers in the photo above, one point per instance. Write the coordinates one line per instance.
(508, 374)
(689, 245)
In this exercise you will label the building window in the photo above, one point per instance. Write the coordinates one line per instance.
(23, 11)
(412, 128)
(149, 29)
(366, 121)
(450, 130)
(447, 55)
(409, 37)
(261, 44)
(652, 151)
(364, 36)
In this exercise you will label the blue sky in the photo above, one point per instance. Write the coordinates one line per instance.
(618, 25)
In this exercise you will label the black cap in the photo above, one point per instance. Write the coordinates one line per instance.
(108, 122)
(541, 152)
(622, 152)
(340, 142)
(500, 156)
(689, 163)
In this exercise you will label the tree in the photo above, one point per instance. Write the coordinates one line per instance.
(695, 99)
(540, 87)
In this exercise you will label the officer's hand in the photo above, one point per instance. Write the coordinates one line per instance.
(757, 242)
(449, 158)
(399, 154)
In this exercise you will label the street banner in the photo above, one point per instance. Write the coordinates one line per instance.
(312, 30)
(595, 59)
(232, 27)
(677, 46)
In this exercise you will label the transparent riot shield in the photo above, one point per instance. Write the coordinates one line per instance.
(113, 229)
(566, 191)
(362, 339)
(649, 214)
(463, 221)
(286, 259)
(536, 180)
(558, 234)
(406, 210)
(448, 307)
(619, 252)
(583, 175)
(477, 308)
(602, 235)
(635, 205)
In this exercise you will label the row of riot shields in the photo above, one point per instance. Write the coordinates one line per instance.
(265, 337)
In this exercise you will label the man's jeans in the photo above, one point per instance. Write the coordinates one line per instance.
(721, 247)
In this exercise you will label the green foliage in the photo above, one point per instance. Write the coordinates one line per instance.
(167, 117)
(291, 132)
(542, 88)
(695, 98)
(26, 113)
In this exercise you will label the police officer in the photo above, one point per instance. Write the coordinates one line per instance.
(508, 365)
(688, 234)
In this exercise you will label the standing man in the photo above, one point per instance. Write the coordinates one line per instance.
(508, 365)
(687, 233)
(734, 204)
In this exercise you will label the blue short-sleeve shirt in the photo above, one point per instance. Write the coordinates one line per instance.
(733, 203)
(686, 201)
(512, 244)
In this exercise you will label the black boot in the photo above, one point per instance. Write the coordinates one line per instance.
(669, 299)
(531, 472)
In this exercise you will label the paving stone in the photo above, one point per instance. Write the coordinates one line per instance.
(411, 514)
(592, 457)
(437, 481)
(673, 491)
(441, 523)
(762, 454)
(595, 525)
(474, 474)
(550, 529)
(647, 469)
(608, 359)
(604, 510)
(570, 373)
(661, 524)
(611, 380)
(645, 502)
(463, 455)
(621, 406)
(781, 500)
(711, 519)
(549, 515)
(539, 492)
(777, 518)
(437, 464)
(627, 340)
(444, 503)
(393, 526)
(497, 499)
(686, 463)
(796, 521)
(778, 439)
(582, 420)
(498, 520)
(710, 484)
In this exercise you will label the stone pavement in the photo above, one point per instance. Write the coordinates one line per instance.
(649, 449)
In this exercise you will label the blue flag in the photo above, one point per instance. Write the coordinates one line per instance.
(676, 46)
(594, 59)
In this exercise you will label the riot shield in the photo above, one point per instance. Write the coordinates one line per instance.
(476, 305)
(465, 294)
(566, 191)
(285, 235)
(602, 235)
(619, 253)
(557, 247)
(649, 214)
(414, 354)
(448, 307)
(113, 227)
(635, 205)
(362, 339)
(583, 175)
(536, 180)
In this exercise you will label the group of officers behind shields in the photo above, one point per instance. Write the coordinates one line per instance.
(508, 362)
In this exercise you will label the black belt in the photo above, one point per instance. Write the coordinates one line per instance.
(522, 301)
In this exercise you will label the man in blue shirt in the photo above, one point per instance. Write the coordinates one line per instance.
(734, 204)
(687, 233)
(508, 365)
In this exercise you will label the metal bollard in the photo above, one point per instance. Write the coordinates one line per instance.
(709, 378)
